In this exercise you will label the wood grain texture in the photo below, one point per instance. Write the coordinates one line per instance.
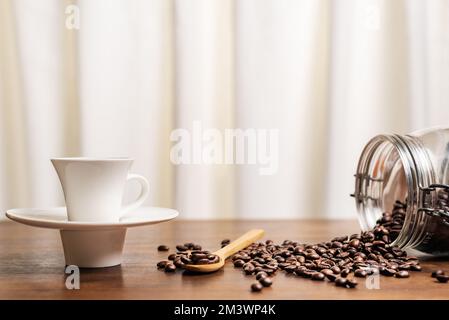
(32, 266)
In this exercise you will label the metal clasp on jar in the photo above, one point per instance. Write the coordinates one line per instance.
(358, 194)
(436, 206)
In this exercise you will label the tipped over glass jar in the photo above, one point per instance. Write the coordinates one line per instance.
(404, 179)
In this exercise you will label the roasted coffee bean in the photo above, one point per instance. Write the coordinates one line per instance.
(299, 272)
(393, 266)
(336, 270)
(442, 278)
(387, 272)
(437, 273)
(307, 274)
(280, 259)
(355, 243)
(340, 239)
(186, 260)
(225, 242)
(163, 247)
(239, 263)
(266, 281)
(327, 271)
(360, 273)
(250, 269)
(170, 267)
(201, 261)
(310, 265)
(181, 247)
(161, 264)
(404, 267)
(337, 244)
(262, 260)
(261, 274)
(351, 283)
(415, 268)
(172, 256)
(343, 255)
(290, 268)
(388, 256)
(256, 287)
(313, 256)
(398, 252)
(411, 258)
(215, 259)
(402, 274)
(318, 276)
(198, 256)
(345, 272)
(301, 259)
(178, 263)
(341, 282)
(331, 277)
(368, 236)
(379, 243)
(355, 236)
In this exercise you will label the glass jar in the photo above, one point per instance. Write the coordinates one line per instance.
(409, 172)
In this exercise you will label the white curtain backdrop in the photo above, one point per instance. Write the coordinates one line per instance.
(328, 74)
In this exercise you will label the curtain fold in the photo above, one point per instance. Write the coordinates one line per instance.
(204, 95)
(14, 168)
(282, 70)
(328, 75)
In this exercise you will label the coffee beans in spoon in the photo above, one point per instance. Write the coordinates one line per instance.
(188, 253)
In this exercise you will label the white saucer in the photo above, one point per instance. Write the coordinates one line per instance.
(56, 218)
(91, 244)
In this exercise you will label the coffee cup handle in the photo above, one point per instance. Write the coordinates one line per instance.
(144, 192)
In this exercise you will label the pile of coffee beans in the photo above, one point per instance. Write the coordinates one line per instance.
(340, 260)
(187, 253)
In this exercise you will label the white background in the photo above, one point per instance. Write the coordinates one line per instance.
(328, 74)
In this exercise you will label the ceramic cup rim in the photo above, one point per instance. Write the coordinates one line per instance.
(93, 159)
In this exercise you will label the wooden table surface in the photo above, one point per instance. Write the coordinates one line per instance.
(32, 266)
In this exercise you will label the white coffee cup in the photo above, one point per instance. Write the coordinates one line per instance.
(93, 188)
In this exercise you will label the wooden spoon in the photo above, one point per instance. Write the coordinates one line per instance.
(225, 252)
